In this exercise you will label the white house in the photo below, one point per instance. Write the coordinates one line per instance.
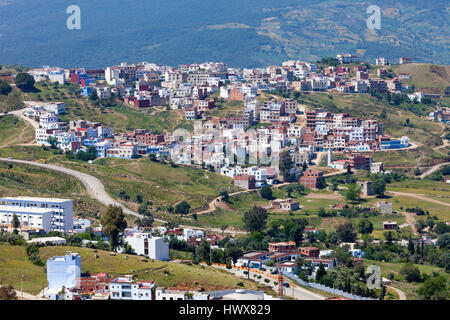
(190, 233)
(144, 244)
(124, 288)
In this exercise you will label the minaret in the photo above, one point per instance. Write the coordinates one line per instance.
(330, 157)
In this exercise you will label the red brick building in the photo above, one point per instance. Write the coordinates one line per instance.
(282, 246)
(312, 179)
(236, 94)
(311, 252)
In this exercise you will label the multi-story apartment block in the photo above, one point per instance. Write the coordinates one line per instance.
(37, 214)
(62, 271)
(144, 244)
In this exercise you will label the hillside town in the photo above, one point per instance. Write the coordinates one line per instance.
(270, 140)
(256, 134)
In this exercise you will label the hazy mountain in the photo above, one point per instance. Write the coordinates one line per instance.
(242, 33)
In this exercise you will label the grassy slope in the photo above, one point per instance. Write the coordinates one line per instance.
(24, 180)
(399, 280)
(13, 263)
(430, 78)
(14, 130)
(161, 184)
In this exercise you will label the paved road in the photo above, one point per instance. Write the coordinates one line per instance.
(294, 291)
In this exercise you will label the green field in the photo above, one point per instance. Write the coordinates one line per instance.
(13, 258)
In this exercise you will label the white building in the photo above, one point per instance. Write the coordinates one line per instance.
(165, 294)
(39, 214)
(62, 272)
(190, 233)
(144, 244)
(123, 288)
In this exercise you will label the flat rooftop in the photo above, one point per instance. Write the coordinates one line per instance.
(33, 210)
(37, 199)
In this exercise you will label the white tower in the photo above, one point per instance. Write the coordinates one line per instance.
(330, 157)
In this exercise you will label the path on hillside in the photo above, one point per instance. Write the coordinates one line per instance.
(20, 114)
(27, 296)
(410, 220)
(433, 169)
(96, 190)
(419, 196)
(401, 294)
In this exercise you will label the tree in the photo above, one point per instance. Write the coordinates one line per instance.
(15, 221)
(223, 227)
(93, 96)
(182, 208)
(289, 191)
(443, 241)
(145, 222)
(352, 192)
(24, 81)
(345, 232)
(224, 194)
(255, 219)
(411, 272)
(8, 293)
(388, 236)
(203, 251)
(434, 288)
(266, 192)
(441, 228)
(139, 198)
(321, 272)
(365, 226)
(304, 166)
(5, 88)
(342, 255)
(379, 187)
(447, 91)
(114, 223)
(285, 165)
(299, 188)
(417, 171)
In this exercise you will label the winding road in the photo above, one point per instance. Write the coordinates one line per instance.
(96, 190)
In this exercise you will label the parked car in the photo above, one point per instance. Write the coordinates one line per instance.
(286, 285)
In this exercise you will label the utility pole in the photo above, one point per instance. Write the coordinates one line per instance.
(248, 269)
(210, 255)
(21, 285)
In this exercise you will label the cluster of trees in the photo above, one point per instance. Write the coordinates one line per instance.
(33, 254)
(389, 251)
(24, 81)
(5, 88)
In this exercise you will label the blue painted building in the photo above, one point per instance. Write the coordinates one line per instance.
(86, 91)
(62, 271)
